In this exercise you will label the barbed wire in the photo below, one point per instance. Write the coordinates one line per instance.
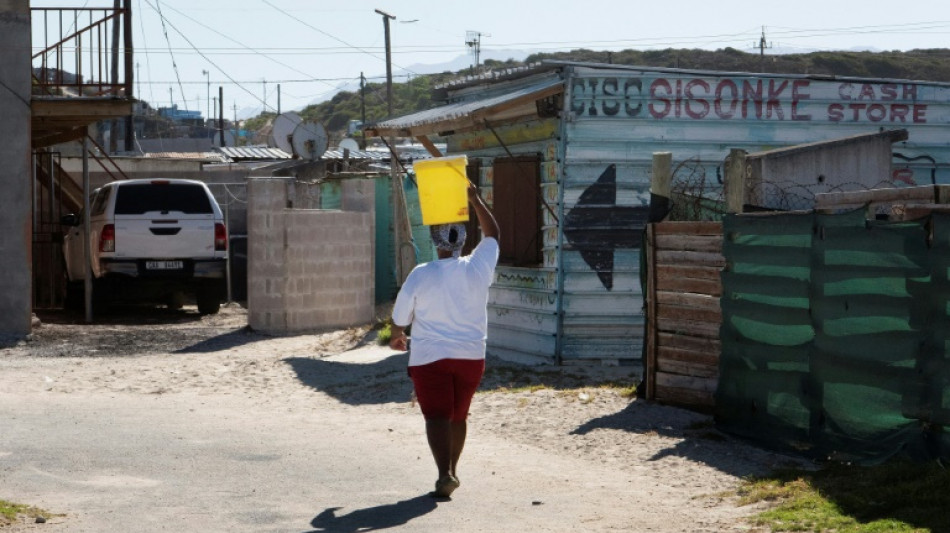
(698, 197)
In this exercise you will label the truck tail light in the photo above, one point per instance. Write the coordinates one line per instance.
(220, 237)
(107, 238)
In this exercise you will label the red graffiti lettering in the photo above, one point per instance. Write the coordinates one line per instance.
(733, 99)
(755, 94)
(889, 91)
(899, 112)
(904, 175)
(877, 113)
(691, 98)
(774, 104)
(658, 89)
(835, 112)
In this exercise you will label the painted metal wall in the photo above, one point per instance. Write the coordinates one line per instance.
(523, 302)
(615, 119)
(585, 303)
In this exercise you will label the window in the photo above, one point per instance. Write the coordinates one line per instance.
(137, 199)
(100, 200)
(517, 207)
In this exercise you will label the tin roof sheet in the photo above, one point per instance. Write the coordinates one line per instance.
(253, 153)
(211, 157)
(465, 114)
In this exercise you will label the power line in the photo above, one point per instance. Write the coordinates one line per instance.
(148, 65)
(158, 8)
(240, 86)
(330, 36)
(242, 45)
(308, 80)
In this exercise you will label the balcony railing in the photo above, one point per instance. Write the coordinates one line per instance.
(82, 52)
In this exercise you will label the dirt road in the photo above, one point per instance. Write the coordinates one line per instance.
(166, 421)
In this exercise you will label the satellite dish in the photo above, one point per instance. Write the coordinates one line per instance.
(349, 144)
(309, 140)
(284, 125)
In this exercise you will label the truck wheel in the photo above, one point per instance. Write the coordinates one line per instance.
(208, 301)
(176, 300)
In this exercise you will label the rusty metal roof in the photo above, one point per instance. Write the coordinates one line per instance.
(469, 114)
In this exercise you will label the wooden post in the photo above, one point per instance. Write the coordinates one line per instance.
(661, 182)
(652, 332)
(660, 186)
(734, 186)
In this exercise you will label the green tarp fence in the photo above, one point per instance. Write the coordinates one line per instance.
(835, 335)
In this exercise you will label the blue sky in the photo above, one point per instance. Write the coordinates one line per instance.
(314, 47)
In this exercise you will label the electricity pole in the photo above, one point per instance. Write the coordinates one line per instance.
(474, 41)
(389, 63)
(402, 230)
(208, 78)
(362, 110)
(762, 46)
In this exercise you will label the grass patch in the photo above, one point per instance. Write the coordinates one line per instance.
(9, 512)
(894, 498)
(385, 333)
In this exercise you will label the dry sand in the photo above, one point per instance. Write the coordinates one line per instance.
(676, 456)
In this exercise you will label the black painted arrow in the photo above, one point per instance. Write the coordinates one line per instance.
(597, 226)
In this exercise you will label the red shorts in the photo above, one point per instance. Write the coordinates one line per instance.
(445, 388)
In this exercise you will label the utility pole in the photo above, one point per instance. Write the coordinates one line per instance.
(208, 79)
(221, 112)
(389, 63)
(264, 109)
(362, 109)
(402, 231)
(114, 123)
(762, 45)
(278, 98)
(474, 41)
(129, 60)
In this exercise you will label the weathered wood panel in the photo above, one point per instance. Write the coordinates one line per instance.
(684, 261)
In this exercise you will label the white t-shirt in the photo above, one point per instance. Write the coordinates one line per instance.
(446, 302)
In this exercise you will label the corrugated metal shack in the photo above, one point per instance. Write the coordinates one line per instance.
(563, 152)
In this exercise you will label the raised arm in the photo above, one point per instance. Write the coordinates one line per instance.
(485, 217)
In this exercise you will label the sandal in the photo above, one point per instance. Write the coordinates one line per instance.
(445, 486)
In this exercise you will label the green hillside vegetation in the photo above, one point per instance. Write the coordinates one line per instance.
(416, 94)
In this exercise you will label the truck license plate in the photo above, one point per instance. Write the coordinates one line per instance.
(163, 265)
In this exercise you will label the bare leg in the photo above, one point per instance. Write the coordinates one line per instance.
(459, 429)
(439, 434)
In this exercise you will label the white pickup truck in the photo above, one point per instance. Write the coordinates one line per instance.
(151, 241)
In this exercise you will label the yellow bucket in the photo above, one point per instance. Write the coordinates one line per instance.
(443, 189)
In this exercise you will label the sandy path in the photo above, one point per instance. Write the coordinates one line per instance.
(591, 458)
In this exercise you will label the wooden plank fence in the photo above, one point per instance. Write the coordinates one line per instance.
(684, 261)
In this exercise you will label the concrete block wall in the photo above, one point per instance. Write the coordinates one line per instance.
(308, 269)
(15, 175)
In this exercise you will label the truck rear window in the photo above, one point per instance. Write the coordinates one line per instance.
(147, 197)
